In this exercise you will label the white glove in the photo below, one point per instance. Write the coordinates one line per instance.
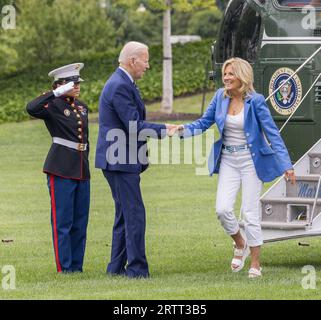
(63, 89)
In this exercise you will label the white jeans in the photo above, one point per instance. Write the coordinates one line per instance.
(235, 169)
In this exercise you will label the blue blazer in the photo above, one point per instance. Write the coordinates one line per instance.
(119, 104)
(271, 159)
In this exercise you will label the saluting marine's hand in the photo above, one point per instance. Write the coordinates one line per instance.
(63, 89)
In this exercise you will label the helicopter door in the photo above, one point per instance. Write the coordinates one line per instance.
(239, 33)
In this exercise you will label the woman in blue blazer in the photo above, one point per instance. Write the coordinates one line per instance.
(249, 152)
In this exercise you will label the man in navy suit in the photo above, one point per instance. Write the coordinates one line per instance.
(122, 155)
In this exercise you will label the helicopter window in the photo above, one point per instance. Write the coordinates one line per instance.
(240, 32)
(299, 3)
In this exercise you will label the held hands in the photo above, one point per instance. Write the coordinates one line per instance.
(171, 129)
(63, 89)
(290, 176)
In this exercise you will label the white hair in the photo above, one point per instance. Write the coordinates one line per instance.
(131, 50)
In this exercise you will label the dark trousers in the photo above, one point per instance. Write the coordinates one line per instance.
(128, 242)
(69, 218)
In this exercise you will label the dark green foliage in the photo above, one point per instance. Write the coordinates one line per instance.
(205, 23)
(51, 31)
(188, 77)
(131, 25)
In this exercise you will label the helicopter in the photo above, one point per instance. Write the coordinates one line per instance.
(278, 37)
(281, 39)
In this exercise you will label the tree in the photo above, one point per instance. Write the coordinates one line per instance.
(205, 23)
(167, 6)
(55, 31)
(132, 25)
(167, 96)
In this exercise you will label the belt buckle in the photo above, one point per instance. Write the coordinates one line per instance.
(81, 146)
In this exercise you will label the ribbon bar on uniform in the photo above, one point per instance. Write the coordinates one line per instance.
(70, 144)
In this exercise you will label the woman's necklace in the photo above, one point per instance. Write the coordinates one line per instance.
(236, 106)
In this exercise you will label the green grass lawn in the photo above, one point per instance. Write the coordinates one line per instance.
(188, 104)
(188, 253)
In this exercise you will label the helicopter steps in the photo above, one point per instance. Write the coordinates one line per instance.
(286, 209)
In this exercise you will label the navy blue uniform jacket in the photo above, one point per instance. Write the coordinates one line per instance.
(65, 118)
(121, 107)
(271, 158)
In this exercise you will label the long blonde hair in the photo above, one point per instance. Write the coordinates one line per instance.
(244, 72)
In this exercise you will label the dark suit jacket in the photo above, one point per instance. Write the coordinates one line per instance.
(123, 131)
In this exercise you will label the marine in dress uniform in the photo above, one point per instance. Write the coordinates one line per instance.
(66, 165)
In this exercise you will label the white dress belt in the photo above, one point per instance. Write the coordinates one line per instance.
(70, 144)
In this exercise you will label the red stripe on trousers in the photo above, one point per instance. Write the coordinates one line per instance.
(54, 221)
